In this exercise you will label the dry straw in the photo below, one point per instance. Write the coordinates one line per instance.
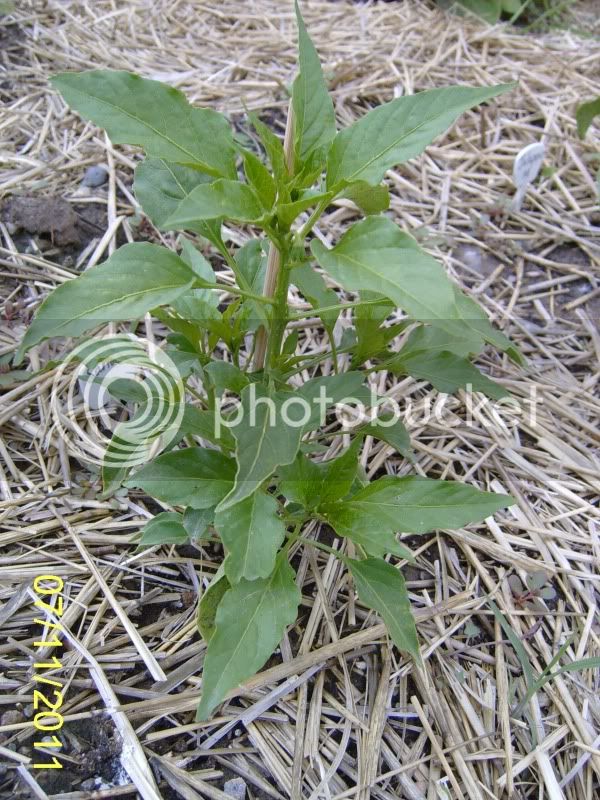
(337, 714)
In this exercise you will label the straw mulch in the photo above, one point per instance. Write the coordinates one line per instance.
(337, 713)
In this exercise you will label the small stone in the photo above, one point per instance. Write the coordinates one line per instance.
(94, 177)
(236, 788)
(12, 717)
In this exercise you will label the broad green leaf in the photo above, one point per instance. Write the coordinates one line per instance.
(226, 376)
(194, 477)
(209, 603)
(314, 117)
(160, 186)
(164, 528)
(339, 473)
(250, 622)
(371, 337)
(391, 431)
(200, 266)
(412, 505)
(447, 372)
(377, 256)
(469, 313)
(252, 533)
(229, 199)
(331, 390)
(301, 481)
(203, 423)
(319, 295)
(251, 262)
(201, 307)
(264, 440)
(311, 484)
(428, 339)
(261, 180)
(370, 199)
(273, 423)
(197, 521)
(380, 586)
(585, 115)
(157, 117)
(130, 283)
(488, 10)
(398, 130)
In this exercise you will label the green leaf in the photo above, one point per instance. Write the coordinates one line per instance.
(229, 199)
(197, 521)
(273, 148)
(380, 586)
(287, 212)
(264, 441)
(199, 422)
(315, 290)
(488, 10)
(136, 279)
(226, 376)
(301, 481)
(157, 117)
(199, 265)
(164, 528)
(331, 390)
(377, 256)
(250, 622)
(273, 424)
(261, 180)
(371, 337)
(160, 186)
(194, 477)
(209, 603)
(446, 372)
(314, 117)
(251, 262)
(469, 313)
(585, 114)
(7, 7)
(391, 431)
(427, 339)
(252, 533)
(311, 484)
(411, 505)
(370, 199)
(396, 131)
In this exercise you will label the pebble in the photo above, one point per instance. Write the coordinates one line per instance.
(235, 788)
(95, 176)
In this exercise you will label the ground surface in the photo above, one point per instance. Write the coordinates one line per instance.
(337, 713)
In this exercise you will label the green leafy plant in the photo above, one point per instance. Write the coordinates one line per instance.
(250, 474)
(584, 116)
(528, 12)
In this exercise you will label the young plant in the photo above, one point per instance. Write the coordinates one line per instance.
(248, 475)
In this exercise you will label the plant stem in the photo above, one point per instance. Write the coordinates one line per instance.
(310, 223)
(272, 282)
(280, 313)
